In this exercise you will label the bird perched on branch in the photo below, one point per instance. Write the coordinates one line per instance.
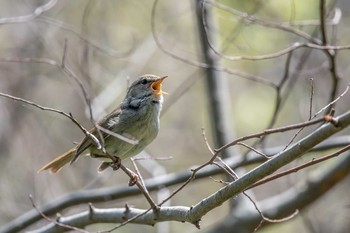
(126, 131)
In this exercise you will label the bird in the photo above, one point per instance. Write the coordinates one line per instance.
(136, 118)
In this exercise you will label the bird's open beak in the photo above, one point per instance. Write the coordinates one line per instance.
(157, 86)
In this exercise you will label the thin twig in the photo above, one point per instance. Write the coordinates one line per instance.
(138, 158)
(234, 176)
(241, 74)
(311, 97)
(69, 116)
(328, 118)
(297, 168)
(253, 149)
(141, 187)
(206, 142)
(139, 175)
(334, 101)
(227, 171)
(132, 141)
(72, 75)
(271, 131)
(55, 221)
(99, 47)
(310, 116)
(252, 19)
(217, 151)
(259, 225)
(269, 219)
(278, 104)
(26, 18)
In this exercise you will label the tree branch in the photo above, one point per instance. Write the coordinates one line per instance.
(280, 205)
(152, 184)
(267, 168)
(298, 197)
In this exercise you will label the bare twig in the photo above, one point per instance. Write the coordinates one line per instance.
(26, 18)
(72, 75)
(271, 131)
(99, 47)
(227, 170)
(139, 174)
(62, 66)
(297, 168)
(278, 103)
(269, 219)
(70, 116)
(310, 116)
(132, 141)
(234, 176)
(328, 118)
(333, 102)
(253, 149)
(241, 74)
(206, 142)
(29, 60)
(252, 19)
(311, 97)
(141, 187)
(55, 221)
(217, 151)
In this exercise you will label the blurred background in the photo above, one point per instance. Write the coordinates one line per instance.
(107, 44)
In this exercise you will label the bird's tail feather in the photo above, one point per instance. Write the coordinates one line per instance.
(57, 164)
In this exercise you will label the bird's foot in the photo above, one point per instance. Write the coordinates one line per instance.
(116, 163)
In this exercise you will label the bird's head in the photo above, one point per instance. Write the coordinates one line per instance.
(147, 86)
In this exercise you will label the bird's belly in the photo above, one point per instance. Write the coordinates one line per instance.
(123, 149)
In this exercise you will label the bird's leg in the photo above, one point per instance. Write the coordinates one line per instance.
(115, 164)
(94, 155)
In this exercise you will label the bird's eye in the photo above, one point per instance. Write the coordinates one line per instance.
(144, 81)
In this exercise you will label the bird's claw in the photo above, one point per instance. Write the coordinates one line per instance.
(116, 163)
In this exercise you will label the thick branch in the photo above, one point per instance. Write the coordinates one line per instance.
(117, 215)
(267, 168)
(299, 197)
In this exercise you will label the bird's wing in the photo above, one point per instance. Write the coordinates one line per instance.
(108, 122)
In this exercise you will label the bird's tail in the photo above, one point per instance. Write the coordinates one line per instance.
(56, 164)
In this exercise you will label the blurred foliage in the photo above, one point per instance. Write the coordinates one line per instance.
(30, 137)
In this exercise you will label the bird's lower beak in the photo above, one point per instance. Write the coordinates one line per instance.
(157, 86)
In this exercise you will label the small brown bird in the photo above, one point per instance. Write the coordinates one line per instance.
(137, 117)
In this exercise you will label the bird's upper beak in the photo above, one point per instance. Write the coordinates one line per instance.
(157, 86)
